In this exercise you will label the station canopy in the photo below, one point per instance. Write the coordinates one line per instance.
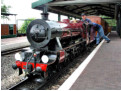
(7, 14)
(75, 8)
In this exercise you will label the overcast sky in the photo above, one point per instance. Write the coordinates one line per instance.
(24, 10)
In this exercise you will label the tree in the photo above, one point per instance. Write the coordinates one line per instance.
(4, 9)
(23, 28)
(111, 22)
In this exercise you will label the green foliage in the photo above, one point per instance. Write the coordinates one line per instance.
(24, 26)
(111, 22)
(4, 9)
(70, 18)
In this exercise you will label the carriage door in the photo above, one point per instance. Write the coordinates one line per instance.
(11, 29)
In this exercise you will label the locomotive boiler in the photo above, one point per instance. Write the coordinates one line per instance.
(52, 43)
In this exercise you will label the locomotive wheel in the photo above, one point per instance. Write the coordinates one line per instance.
(30, 75)
(72, 57)
(59, 67)
(65, 63)
(44, 75)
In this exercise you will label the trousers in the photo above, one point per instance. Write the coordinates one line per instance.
(101, 34)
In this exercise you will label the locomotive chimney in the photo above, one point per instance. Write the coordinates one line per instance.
(45, 12)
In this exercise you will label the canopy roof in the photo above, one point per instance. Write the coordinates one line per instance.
(76, 7)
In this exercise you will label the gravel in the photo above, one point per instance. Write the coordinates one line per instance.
(9, 76)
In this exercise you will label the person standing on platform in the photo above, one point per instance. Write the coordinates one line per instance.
(100, 33)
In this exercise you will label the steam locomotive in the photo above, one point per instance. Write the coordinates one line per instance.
(52, 44)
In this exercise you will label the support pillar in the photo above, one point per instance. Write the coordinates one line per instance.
(118, 18)
(120, 25)
(68, 17)
(59, 17)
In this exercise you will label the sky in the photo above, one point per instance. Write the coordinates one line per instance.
(24, 11)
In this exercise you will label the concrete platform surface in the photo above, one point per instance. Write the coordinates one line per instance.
(13, 43)
(104, 70)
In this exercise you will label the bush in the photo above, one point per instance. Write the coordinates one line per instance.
(24, 26)
(111, 22)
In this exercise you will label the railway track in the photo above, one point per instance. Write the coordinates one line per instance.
(21, 82)
(28, 84)
(11, 51)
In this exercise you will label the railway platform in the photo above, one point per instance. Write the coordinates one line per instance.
(101, 70)
(13, 43)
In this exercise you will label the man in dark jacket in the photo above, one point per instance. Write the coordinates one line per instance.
(87, 23)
